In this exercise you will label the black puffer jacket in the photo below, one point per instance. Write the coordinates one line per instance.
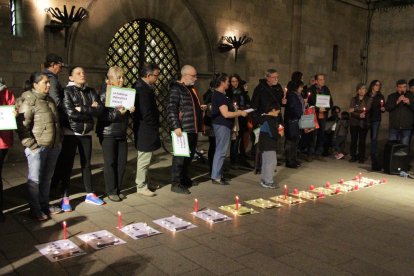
(111, 123)
(183, 111)
(83, 97)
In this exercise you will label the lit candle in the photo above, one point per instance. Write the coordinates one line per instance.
(196, 205)
(237, 203)
(364, 109)
(64, 230)
(308, 95)
(382, 103)
(286, 192)
(119, 220)
(328, 184)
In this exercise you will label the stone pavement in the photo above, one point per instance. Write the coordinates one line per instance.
(369, 232)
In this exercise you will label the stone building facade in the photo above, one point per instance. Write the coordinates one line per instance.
(288, 35)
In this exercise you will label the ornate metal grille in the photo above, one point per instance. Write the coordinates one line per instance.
(143, 41)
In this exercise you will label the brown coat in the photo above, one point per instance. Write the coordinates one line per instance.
(38, 121)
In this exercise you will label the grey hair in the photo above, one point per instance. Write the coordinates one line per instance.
(269, 72)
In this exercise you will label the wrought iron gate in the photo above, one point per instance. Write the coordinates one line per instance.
(141, 41)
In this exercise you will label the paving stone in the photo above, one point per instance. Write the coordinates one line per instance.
(310, 265)
(91, 268)
(6, 268)
(359, 267)
(142, 267)
(264, 265)
(18, 244)
(226, 246)
(212, 260)
(399, 267)
(168, 260)
(263, 245)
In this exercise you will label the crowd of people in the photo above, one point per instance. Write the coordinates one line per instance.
(54, 122)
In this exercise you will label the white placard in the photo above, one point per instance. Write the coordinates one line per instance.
(119, 96)
(7, 117)
(323, 101)
(139, 230)
(211, 216)
(174, 224)
(180, 144)
(59, 250)
(256, 132)
(101, 239)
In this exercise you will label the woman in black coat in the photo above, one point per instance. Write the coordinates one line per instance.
(112, 131)
(294, 110)
(359, 110)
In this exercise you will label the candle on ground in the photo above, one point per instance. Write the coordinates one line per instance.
(341, 181)
(196, 205)
(286, 191)
(237, 203)
(119, 220)
(64, 230)
(328, 184)
(356, 187)
(311, 187)
(295, 191)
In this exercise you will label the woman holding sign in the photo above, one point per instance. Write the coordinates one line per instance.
(6, 137)
(112, 129)
(222, 114)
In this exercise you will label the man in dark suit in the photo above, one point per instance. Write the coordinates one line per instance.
(146, 125)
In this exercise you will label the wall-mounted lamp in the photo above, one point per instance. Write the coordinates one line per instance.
(229, 43)
(65, 20)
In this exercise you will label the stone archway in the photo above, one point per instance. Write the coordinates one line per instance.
(92, 37)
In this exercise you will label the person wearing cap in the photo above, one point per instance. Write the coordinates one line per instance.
(400, 105)
(6, 137)
(53, 66)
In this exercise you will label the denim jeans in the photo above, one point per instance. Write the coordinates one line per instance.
(402, 135)
(222, 134)
(41, 164)
(374, 139)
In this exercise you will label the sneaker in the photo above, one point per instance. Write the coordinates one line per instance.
(93, 199)
(53, 210)
(268, 185)
(114, 198)
(145, 191)
(66, 205)
(179, 189)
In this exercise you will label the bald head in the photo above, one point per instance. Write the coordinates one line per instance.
(188, 75)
